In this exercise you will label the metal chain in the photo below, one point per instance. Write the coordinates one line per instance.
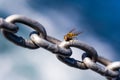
(62, 49)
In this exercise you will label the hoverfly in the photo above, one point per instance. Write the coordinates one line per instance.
(71, 35)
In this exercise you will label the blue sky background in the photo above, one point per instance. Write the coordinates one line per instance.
(99, 21)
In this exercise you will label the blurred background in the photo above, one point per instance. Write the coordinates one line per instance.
(97, 19)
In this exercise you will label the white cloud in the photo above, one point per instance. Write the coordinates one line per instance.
(5, 67)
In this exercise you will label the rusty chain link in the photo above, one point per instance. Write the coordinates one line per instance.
(62, 49)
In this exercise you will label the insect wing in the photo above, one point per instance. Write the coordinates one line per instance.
(77, 33)
(72, 30)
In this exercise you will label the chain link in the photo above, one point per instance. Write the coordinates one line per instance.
(62, 49)
(19, 40)
(8, 26)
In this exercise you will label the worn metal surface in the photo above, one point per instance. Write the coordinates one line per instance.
(62, 49)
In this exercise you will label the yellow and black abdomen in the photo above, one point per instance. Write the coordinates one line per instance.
(69, 36)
